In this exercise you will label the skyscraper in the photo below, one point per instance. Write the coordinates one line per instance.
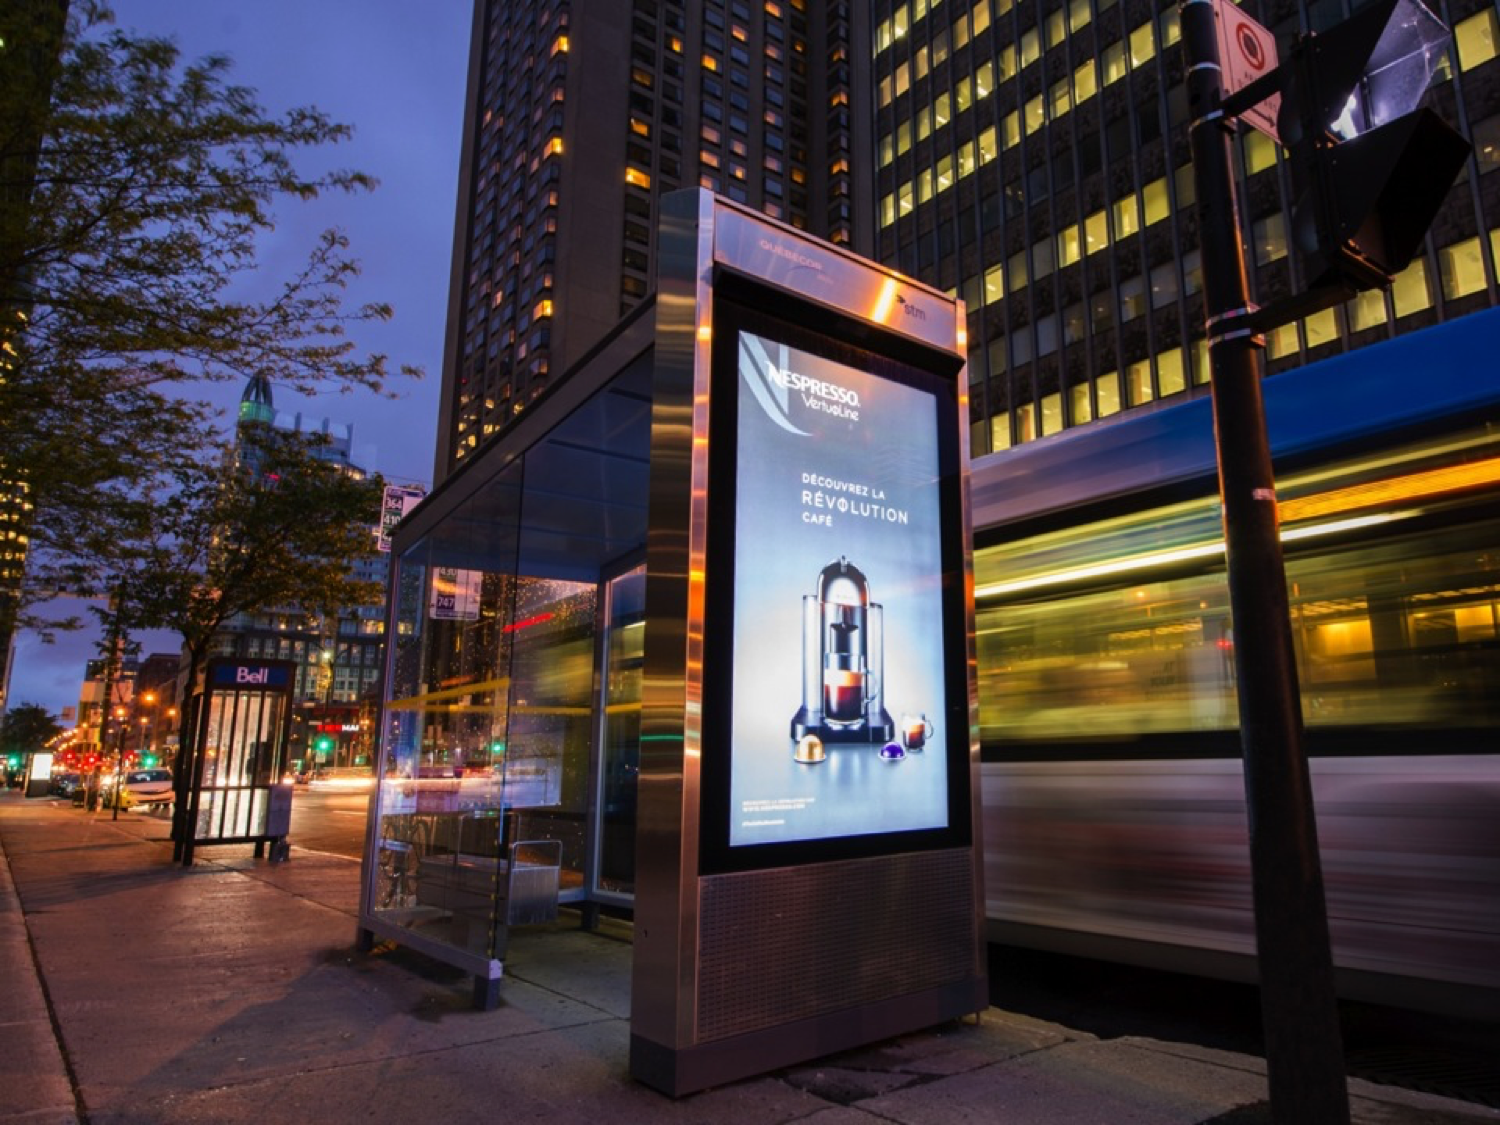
(1032, 155)
(580, 113)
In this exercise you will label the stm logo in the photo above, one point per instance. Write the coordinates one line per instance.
(910, 309)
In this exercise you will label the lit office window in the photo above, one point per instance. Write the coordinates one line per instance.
(1321, 328)
(1142, 45)
(1096, 232)
(984, 80)
(961, 30)
(887, 149)
(1036, 114)
(1031, 47)
(1281, 341)
(888, 210)
(1170, 375)
(1025, 423)
(1061, 97)
(903, 138)
(994, 284)
(1069, 246)
(1462, 269)
(981, 17)
(944, 179)
(941, 111)
(986, 145)
(1005, 59)
(1052, 421)
(1138, 383)
(905, 204)
(1010, 129)
(1113, 62)
(1410, 292)
(1085, 83)
(1000, 432)
(1366, 310)
(1154, 202)
(1078, 404)
(1127, 216)
(1055, 28)
(1476, 38)
(1107, 393)
(963, 92)
(1202, 367)
(1260, 151)
(966, 159)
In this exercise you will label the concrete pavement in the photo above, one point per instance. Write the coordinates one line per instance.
(133, 990)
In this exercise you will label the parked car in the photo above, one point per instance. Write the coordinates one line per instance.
(63, 784)
(138, 787)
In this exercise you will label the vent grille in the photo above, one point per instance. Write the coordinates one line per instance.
(794, 943)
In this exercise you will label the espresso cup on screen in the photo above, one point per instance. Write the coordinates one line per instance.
(844, 694)
(915, 731)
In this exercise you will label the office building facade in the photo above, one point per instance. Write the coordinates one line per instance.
(580, 114)
(1032, 156)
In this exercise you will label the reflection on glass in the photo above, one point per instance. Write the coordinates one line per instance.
(624, 659)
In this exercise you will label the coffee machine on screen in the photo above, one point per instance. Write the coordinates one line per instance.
(843, 661)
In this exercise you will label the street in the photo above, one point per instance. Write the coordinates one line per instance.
(330, 816)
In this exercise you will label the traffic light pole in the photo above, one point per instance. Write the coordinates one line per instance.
(1304, 1051)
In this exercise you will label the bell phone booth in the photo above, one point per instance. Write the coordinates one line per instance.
(234, 789)
(807, 857)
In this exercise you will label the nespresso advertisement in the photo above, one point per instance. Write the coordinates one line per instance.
(838, 680)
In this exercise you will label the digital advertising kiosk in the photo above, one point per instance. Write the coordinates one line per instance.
(808, 867)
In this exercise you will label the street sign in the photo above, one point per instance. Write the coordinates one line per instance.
(397, 502)
(1247, 51)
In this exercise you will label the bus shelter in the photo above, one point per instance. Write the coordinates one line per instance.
(691, 637)
(234, 788)
(504, 787)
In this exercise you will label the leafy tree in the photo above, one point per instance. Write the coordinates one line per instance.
(272, 526)
(134, 191)
(26, 728)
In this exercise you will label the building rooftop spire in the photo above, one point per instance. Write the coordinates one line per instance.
(255, 402)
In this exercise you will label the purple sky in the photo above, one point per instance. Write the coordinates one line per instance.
(395, 71)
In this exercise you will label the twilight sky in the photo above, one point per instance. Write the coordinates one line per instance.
(395, 71)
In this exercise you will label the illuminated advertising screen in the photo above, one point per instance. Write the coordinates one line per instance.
(840, 695)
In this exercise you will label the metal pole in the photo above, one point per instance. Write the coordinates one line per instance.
(1304, 1050)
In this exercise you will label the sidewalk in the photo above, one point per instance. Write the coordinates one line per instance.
(136, 991)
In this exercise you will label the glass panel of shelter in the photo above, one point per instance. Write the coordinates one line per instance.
(488, 731)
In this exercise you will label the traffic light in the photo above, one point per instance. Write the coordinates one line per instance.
(323, 745)
(1369, 169)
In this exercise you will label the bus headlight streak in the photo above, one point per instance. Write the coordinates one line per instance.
(1166, 558)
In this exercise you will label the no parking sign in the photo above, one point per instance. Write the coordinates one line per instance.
(1247, 51)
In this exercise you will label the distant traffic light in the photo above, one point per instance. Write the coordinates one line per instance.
(323, 745)
(1369, 169)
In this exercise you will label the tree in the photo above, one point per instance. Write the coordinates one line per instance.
(135, 192)
(26, 728)
(273, 525)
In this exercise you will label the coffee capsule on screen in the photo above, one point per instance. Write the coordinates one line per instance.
(809, 750)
